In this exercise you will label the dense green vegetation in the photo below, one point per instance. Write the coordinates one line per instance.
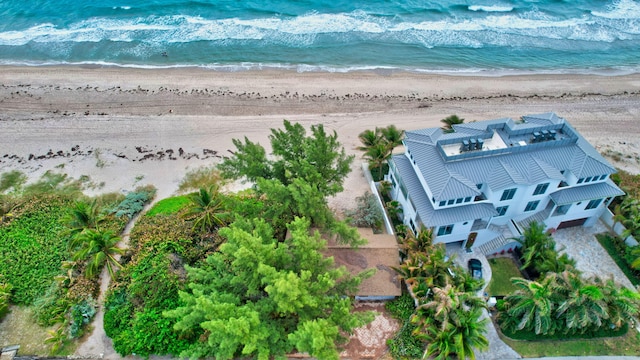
(52, 246)
(261, 297)
(622, 255)
(448, 319)
(378, 147)
(561, 300)
(32, 247)
(264, 292)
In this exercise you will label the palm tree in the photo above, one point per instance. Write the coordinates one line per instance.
(392, 135)
(208, 209)
(583, 306)
(458, 337)
(538, 246)
(83, 216)
(450, 121)
(622, 303)
(531, 306)
(98, 248)
(369, 138)
(377, 155)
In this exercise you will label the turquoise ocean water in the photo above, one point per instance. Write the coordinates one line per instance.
(542, 36)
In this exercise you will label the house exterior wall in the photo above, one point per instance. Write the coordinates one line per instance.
(526, 200)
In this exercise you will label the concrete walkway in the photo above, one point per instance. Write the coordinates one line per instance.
(498, 349)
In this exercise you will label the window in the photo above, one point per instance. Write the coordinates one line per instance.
(593, 204)
(479, 186)
(532, 205)
(508, 194)
(603, 177)
(467, 199)
(450, 202)
(443, 203)
(501, 210)
(561, 210)
(587, 179)
(541, 189)
(445, 230)
(580, 180)
(413, 226)
(459, 200)
(393, 181)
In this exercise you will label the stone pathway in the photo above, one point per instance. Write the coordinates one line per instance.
(591, 258)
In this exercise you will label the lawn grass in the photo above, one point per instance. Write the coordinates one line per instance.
(628, 344)
(502, 270)
(169, 205)
(608, 243)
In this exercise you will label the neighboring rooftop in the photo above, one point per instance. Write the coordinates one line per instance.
(380, 253)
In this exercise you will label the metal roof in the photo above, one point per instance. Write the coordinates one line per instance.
(501, 169)
(586, 192)
(437, 217)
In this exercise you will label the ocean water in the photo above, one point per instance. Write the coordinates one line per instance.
(487, 36)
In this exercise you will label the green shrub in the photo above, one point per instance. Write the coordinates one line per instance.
(202, 177)
(5, 296)
(54, 183)
(404, 345)
(169, 206)
(560, 335)
(32, 246)
(51, 307)
(81, 315)
(134, 202)
(367, 212)
(12, 180)
(619, 252)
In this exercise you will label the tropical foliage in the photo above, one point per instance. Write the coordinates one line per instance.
(207, 209)
(448, 319)
(539, 254)
(261, 297)
(449, 121)
(296, 180)
(566, 302)
(378, 147)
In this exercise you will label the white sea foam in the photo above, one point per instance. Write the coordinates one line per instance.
(621, 9)
(490, 8)
(303, 30)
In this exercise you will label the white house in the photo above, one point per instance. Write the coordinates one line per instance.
(486, 181)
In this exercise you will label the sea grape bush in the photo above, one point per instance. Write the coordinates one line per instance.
(134, 202)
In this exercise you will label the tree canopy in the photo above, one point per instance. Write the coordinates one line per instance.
(319, 159)
(261, 297)
(296, 180)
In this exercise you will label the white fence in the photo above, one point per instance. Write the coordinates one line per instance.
(607, 218)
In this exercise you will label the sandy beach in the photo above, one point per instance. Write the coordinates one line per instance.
(128, 127)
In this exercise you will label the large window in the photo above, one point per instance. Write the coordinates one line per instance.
(501, 210)
(593, 204)
(532, 205)
(508, 194)
(445, 230)
(541, 189)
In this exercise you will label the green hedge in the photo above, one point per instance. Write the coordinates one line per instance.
(616, 249)
(603, 332)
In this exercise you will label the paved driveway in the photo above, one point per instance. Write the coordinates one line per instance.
(591, 258)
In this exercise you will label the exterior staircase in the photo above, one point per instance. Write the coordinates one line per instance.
(538, 217)
(504, 237)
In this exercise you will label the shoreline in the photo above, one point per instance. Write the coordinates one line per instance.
(119, 112)
(335, 69)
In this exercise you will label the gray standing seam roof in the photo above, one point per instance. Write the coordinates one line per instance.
(586, 192)
(437, 217)
(501, 171)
